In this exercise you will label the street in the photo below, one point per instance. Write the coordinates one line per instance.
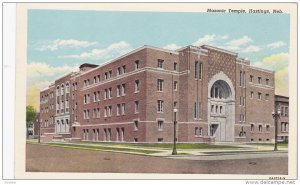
(41, 158)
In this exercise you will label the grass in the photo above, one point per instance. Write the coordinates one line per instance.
(98, 148)
(163, 145)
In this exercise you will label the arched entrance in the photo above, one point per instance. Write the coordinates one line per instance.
(221, 108)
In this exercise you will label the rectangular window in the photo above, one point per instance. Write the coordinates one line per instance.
(110, 93)
(106, 75)
(94, 113)
(160, 125)
(118, 90)
(196, 131)
(109, 74)
(124, 69)
(251, 78)
(259, 80)
(95, 97)
(260, 128)
(175, 105)
(268, 128)
(200, 70)
(259, 95)
(136, 106)
(88, 114)
(123, 90)
(197, 110)
(105, 94)
(267, 81)
(105, 111)
(175, 66)
(175, 86)
(119, 71)
(98, 95)
(123, 108)
(136, 125)
(98, 112)
(252, 128)
(110, 111)
(267, 96)
(137, 63)
(160, 106)
(286, 111)
(118, 109)
(160, 84)
(137, 86)
(98, 78)
(251, 94)
(241, 78)
(95, 79)
(160, 63)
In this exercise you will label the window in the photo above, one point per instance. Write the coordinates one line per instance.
(98, 78)
(94, 113)
(136, 106)
(95, 97)
(259, 95)
(98, 113)
(198, 70)
(267, 81)
(175, 86)
(267, 96)
(259, 80)
(286, 111)
(119, 71)
(212, 108)
(160, 106)
(137, 86)
(241, 79)
(286, 127)
(123, 108)
(136, 64)
(221, 109)
(175, 105)
(123, 90)
(197, 110)
(268, 128)
(160, 63)
(251, 78)
(252, 127)
(124, 69)
(136, 125)
(109, 74)
(160, 84)
(118, 90)
(175, 66)
(260, 128)
(98, 95)
(95, 80)
(106, 75)
(110, 93)
(109, 110)
(198, 131)
(251, 94)
(105, 94)
(105, 111)
(118, 109)
(160, 125)
(242, 118)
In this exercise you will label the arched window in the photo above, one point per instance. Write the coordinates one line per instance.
(57, 91)
(67, 88)
(62, 89)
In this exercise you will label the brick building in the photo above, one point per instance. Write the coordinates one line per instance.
(218, 97)
(282, 103)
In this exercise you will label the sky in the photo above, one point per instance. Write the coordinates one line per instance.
(60, 40)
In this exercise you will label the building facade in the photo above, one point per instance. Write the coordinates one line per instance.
(212, 94)
(282, 103)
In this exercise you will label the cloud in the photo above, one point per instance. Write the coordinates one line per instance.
(60, 43)
(251, 49)
(275, 45)
(172, 47)
(111, 51)
(279, 63)
(209, 39)
(235, 45)
(39, 76)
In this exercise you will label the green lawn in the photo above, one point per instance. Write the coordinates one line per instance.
(87, 147)
(164, 145)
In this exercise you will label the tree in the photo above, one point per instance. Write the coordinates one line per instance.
(30, 117)
(30, 113)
